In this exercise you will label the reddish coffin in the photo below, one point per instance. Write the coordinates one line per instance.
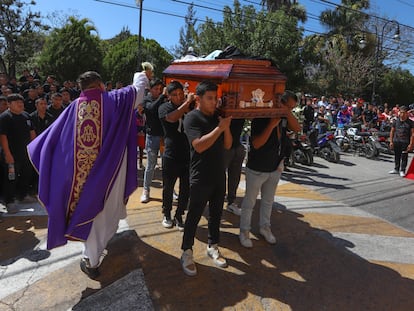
(246, 88)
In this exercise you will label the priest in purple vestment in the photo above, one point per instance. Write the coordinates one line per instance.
(87, 165)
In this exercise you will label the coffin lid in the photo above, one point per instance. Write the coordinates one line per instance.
(224, 69)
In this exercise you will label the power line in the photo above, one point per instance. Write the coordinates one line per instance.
(406, 3)
(360, 12)
(212, 9)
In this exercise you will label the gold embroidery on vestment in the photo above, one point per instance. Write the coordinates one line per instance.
(88, 136)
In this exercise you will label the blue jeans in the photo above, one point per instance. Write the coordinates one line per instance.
(152, 146)
(256, 182)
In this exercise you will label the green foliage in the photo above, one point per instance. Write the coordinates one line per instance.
(71, 50)
(188, 34)
(272, 35)
(20, 34)
(289, 7)
(120, 61)
(397, 87)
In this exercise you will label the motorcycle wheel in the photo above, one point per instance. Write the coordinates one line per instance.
(370, 151)
(299, 156)
(309, 157)
(335, 156)
(342, 144)
(325, 153)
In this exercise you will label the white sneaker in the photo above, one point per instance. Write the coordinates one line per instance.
(244, 238)
(268, 235)
(234, 208)
(175, 195)
(394, 171)
(145, 196)
(402, 173)
(214, 253)
(187, 262)
(167, 222)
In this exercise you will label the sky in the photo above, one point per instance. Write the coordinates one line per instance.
(162, 19)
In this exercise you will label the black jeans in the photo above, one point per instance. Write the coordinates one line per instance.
(400, 156)
(171, 171)
(21, 186)
(199, 196)
(233, 160)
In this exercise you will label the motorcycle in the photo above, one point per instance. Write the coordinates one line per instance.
(363, 143)
(382, 141)
(301, 150)
(325, 146)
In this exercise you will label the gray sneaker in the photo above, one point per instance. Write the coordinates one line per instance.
(268, 235)
(145, 197)
(214, 253)
(245, 240)
(167, 222)
(187, 263)
(234, 208)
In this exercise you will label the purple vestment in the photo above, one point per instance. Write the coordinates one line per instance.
(78, 158)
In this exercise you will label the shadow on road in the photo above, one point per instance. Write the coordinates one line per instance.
(18, 239)
(308, 269)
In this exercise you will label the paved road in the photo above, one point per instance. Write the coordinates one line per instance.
(333, 252)
(364, 184)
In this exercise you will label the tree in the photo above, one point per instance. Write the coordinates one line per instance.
(397, 87)
(290, 7)
(347, 20)
(120, 61)
(188, 33)
(71, 50)
(19, 31)
(271, 35)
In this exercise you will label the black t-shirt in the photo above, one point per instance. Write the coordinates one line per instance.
(402, 132)
(309, 113)
(267, 157)
(17, 128)
(357, 111)
(206, 167)
(40, 124)
(29, 105)
(175, 140)
(55, 112)
(236, 128)
(151, 106)
(370, 116)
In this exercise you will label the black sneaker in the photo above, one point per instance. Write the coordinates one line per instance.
(92, 273)
(178, 220)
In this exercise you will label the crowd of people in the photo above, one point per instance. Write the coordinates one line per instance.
(199, 148)
(326, 114)
(336, 113)
(28, 106)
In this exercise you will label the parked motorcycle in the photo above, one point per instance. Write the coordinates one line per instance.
(301, 150)
(382, 141)
(352, 138)
(324, 145)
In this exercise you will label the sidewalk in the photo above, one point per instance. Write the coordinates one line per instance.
(328, 256)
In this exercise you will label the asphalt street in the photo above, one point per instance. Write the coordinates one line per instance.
(345, 241)
(362, 183)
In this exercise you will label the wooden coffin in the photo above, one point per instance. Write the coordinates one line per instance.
(246, 88)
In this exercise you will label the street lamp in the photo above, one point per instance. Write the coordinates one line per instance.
(139, 4)
(379, 48)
